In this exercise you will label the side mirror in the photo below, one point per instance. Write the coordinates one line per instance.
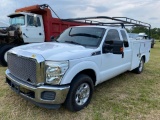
(35, 20)
(115, 47)
(52, 38)
(107, 48)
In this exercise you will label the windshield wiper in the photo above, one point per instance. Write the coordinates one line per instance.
(72, 42)
(85, 34)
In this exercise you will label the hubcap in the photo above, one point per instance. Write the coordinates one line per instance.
(82, 94)
(141, 65)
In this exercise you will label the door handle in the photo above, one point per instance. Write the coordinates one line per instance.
(25, 35)
(40, 33)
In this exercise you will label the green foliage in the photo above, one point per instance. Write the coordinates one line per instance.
(139, 30)
(155, 32)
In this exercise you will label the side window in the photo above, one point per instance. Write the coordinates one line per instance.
(112, 35)
(124, 36)
(38, 21)
(30, 20)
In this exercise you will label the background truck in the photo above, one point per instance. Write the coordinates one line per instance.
(142, 36)
(66, 70)
(31, 24)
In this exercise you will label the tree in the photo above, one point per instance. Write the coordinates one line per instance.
(155, 32)
(139, 30)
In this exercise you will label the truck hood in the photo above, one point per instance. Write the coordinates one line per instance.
(55, 51)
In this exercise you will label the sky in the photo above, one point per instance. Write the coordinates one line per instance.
(144, 10)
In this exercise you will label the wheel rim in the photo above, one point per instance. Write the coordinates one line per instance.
(141, 65)
(5, 56)
(82, 94)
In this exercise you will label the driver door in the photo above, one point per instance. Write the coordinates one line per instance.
(112, 64)
(33, 33)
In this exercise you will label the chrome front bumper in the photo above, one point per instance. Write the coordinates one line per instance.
(34, 93)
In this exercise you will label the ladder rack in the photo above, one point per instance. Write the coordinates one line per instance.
(116, 21)
(120, 20)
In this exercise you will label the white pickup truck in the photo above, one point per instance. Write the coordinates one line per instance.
(68, 69)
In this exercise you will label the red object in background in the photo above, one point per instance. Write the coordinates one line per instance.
(52, 26)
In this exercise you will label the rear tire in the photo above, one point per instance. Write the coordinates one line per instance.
(139, 69)
(80, 93)
(3, 51)
(152, 45)
(1, 45)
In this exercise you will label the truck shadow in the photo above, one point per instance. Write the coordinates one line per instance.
(106, 91)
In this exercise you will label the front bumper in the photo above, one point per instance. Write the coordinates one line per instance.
(34, 93)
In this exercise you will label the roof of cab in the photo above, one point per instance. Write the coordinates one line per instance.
(19, 13)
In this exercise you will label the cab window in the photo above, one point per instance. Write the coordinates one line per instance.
(112, 35)
(31, 22)
(125, 39)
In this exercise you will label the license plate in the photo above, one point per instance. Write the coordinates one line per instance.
(15, 87)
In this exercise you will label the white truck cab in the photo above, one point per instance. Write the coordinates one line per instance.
(31, 26)
(67, 70)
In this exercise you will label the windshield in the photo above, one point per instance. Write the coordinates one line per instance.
(86, 36)
(17, 20)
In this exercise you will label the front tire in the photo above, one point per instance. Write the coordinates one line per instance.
(80, 93)
(3, 52)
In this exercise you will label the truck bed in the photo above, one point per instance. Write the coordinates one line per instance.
(139, 48)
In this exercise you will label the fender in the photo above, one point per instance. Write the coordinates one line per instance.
(146, 56)
(74, 70)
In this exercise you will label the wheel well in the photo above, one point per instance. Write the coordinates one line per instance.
(144, 58)
(90, 73)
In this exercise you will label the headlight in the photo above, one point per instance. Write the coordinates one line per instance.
(55, 71)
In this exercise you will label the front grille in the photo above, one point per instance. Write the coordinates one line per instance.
(22, 68)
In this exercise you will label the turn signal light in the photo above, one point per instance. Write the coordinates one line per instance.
(121, 49)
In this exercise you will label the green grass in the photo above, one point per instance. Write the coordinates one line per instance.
(128, 96)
